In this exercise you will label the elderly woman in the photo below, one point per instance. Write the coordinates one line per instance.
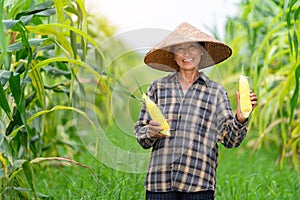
(183, 165)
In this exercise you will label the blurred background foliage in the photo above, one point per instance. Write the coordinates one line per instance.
(264, 38)
(43, 46)
(53, 53)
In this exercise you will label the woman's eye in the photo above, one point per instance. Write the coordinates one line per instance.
(179, 50)
(192, 47)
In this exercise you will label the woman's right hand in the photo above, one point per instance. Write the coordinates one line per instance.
(154, 129)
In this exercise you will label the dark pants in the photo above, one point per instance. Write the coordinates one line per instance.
(174, 195)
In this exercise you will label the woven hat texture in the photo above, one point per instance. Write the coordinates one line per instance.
(161, 56)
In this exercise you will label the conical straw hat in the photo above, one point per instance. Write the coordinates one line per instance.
(161, 56)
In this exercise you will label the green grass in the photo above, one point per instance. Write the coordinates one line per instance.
(243, 175)
(239, 176)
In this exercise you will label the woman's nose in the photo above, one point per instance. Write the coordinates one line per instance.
(186, 51)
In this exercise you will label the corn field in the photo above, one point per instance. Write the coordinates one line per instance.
(45, 66)
(264, 37)
(43, 46)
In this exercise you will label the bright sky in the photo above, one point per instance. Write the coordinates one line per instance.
(128, 15)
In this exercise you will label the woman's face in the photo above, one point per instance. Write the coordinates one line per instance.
(188, 55)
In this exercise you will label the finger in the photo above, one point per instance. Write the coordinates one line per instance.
(253, 95)
(154, 123)
(253, 98)
(254, 104)
(160, 135)
(156, 135)
(237, 95)
(238, 100)
(155, 129)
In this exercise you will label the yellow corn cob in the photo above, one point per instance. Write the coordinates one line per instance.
(245, 102)
(156, 114)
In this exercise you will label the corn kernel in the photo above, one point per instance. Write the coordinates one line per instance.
(156, 114)
(245, 102)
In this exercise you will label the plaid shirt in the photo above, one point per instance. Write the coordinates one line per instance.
(187, 160)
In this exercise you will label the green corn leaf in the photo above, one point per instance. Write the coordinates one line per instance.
(82, 15)
(81, 89)
(44, 5)
(26, 19)
(11, 178)
(73, 36)
(18, 45)
(16, 122)
(3, 45)
(56, 72)
(46, 13)
(73, 41)
(59, 10)
(8, 2)
(286, 4)
(294, 98)
(77, 62)
(297, 12)
(122, 90)
(45, 29)
(60, 107)
(64, 67)
(8, 24)
(4, 103)
(62, 159)
(59, 87)
(48, 29)
(14, 83)
(29, 176)
(20, 27)
(13, 133)
(295, 39)
(38, 84)
(291, 43)
(15, 86)
(4, 76)
(284, 91)
(56, 108)
(4, 164)
(16, 7)
(2, 138)
(41, 10)
(139, 86)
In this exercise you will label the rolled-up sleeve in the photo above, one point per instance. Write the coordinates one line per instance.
(142, 136)
(141, 126)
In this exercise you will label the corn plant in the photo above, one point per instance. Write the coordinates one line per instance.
(264, 37)
(43, 46)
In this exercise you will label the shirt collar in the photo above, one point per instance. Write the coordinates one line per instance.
(202, 78)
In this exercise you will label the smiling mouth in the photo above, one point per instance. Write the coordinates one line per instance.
(188, 60)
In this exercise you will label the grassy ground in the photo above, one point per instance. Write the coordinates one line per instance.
(242, 175)
(239, 176)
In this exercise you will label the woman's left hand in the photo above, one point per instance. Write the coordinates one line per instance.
(239, 115)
